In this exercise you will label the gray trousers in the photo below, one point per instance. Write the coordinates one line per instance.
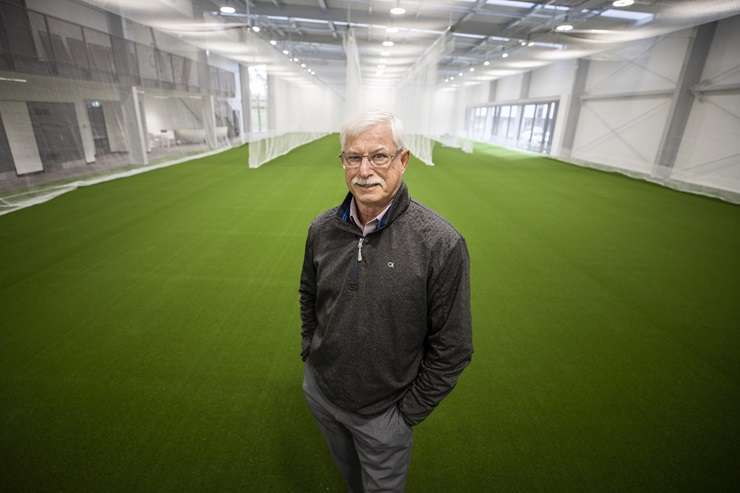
(372, 453)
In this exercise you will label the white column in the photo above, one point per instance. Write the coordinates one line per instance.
(524, 87)
(132, 119)
(683, 98)
(574, 107)
(21, 138)
(83, 121)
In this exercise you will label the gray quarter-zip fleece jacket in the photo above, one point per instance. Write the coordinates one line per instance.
(386, 318)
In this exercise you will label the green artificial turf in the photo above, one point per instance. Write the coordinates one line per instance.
(150, 332)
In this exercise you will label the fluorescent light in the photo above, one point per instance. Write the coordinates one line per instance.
(391, 30)
(631, 15)
(286, 52)
(460, 74)
(472, 69)
(452, 78)
(273, 42)
(303, 65)
(398, 11)
(623, 3)
(256, 29)
(296, 59)
(227, 10)
(511, 3)
(486, 63)
(531, 43)
(12, 79)
(564, 28)
(556, 7)
(505, 55)
(385, 53)
(388, 43)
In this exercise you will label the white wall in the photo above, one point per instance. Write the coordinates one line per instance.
(622, 133)
(644, 65)
(477, 94)
(509, 88)
(553, 80)
(710, 149)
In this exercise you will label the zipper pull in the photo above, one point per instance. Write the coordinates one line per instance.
(359, 250)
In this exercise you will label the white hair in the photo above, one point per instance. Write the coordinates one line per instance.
(369, 119)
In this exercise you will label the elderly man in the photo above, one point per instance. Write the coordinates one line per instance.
(385, 310)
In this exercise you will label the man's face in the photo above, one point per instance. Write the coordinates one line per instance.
(374, 187)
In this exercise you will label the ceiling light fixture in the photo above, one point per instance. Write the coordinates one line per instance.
(531, 43)
(388, 43)
(227, 10)
(460, 74)
(256, 29)
(303, 65)
(486, 63)
(505, 55)
(385, 53)
(391, 30)
(286, 52)
(623, 3)
(564, 28)
(273, 42)
(398, 10)
(472, 69)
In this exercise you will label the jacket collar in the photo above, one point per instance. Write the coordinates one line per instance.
(400, 204)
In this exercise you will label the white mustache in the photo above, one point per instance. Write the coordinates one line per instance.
(366, 182)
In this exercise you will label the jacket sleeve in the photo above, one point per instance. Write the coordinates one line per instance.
(307, 292)
(449, 342)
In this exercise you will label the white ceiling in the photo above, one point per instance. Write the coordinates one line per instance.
(482, 30)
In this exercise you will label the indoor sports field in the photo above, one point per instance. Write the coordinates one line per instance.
(150, 331)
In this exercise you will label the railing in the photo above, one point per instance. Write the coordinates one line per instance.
(36, 43)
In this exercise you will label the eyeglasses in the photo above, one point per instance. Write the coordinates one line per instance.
(376, 160)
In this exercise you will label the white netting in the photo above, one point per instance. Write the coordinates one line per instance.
(412, 98)
(416, 101)
(289, 106)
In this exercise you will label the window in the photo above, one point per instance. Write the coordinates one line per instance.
(525, 132)
(526, 126)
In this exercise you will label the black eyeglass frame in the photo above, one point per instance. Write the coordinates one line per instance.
(342, 157)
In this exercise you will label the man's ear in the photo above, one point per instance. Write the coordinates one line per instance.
(405, 157)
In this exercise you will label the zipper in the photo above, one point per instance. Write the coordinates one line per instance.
(359, 250)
